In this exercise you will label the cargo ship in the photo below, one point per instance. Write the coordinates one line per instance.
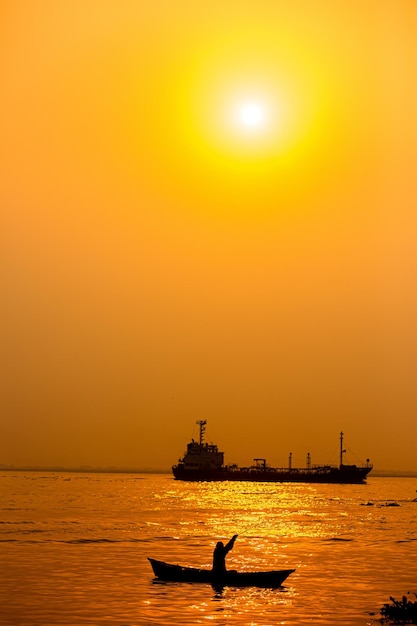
(204, 462)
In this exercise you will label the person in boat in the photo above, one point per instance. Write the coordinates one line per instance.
(219, 556)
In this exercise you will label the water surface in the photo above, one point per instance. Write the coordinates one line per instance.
(74, 549)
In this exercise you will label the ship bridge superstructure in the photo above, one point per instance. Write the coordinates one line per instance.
(201, 455)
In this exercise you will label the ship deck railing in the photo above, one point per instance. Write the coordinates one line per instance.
(292, 470)
(280, 470)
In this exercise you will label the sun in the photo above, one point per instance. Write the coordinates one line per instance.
(250, 123)
(252, 115)
(234, 116)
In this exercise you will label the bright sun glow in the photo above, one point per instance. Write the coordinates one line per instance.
(252, 115)
(245, 118)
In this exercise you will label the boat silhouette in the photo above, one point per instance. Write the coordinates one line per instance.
(230, 578)
(204, 462)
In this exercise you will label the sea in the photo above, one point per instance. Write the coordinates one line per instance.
(74, 549)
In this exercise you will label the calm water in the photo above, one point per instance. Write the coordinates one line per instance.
(74, 548)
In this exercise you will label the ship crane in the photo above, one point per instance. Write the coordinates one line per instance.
(341, 449)
(202, 424)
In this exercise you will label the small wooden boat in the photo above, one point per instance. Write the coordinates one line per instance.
(179, 573)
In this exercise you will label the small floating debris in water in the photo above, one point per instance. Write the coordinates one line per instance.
(367, 504)
(338, 539)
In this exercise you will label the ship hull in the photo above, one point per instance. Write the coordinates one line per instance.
(343, 475)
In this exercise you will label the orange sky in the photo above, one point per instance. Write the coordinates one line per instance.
(162, 263)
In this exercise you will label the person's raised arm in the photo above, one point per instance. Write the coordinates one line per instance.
(230, 545)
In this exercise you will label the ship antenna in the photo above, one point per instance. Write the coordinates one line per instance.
(202, 424)
(341, 449)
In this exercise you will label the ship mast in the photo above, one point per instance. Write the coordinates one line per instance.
(341, 449)
(202, 424)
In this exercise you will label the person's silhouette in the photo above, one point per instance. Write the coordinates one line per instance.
(219, 556)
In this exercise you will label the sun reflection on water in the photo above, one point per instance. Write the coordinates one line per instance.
(259, 510)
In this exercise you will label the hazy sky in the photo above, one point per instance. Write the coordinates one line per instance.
(208, 212)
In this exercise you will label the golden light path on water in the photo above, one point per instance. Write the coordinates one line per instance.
(258, 509)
